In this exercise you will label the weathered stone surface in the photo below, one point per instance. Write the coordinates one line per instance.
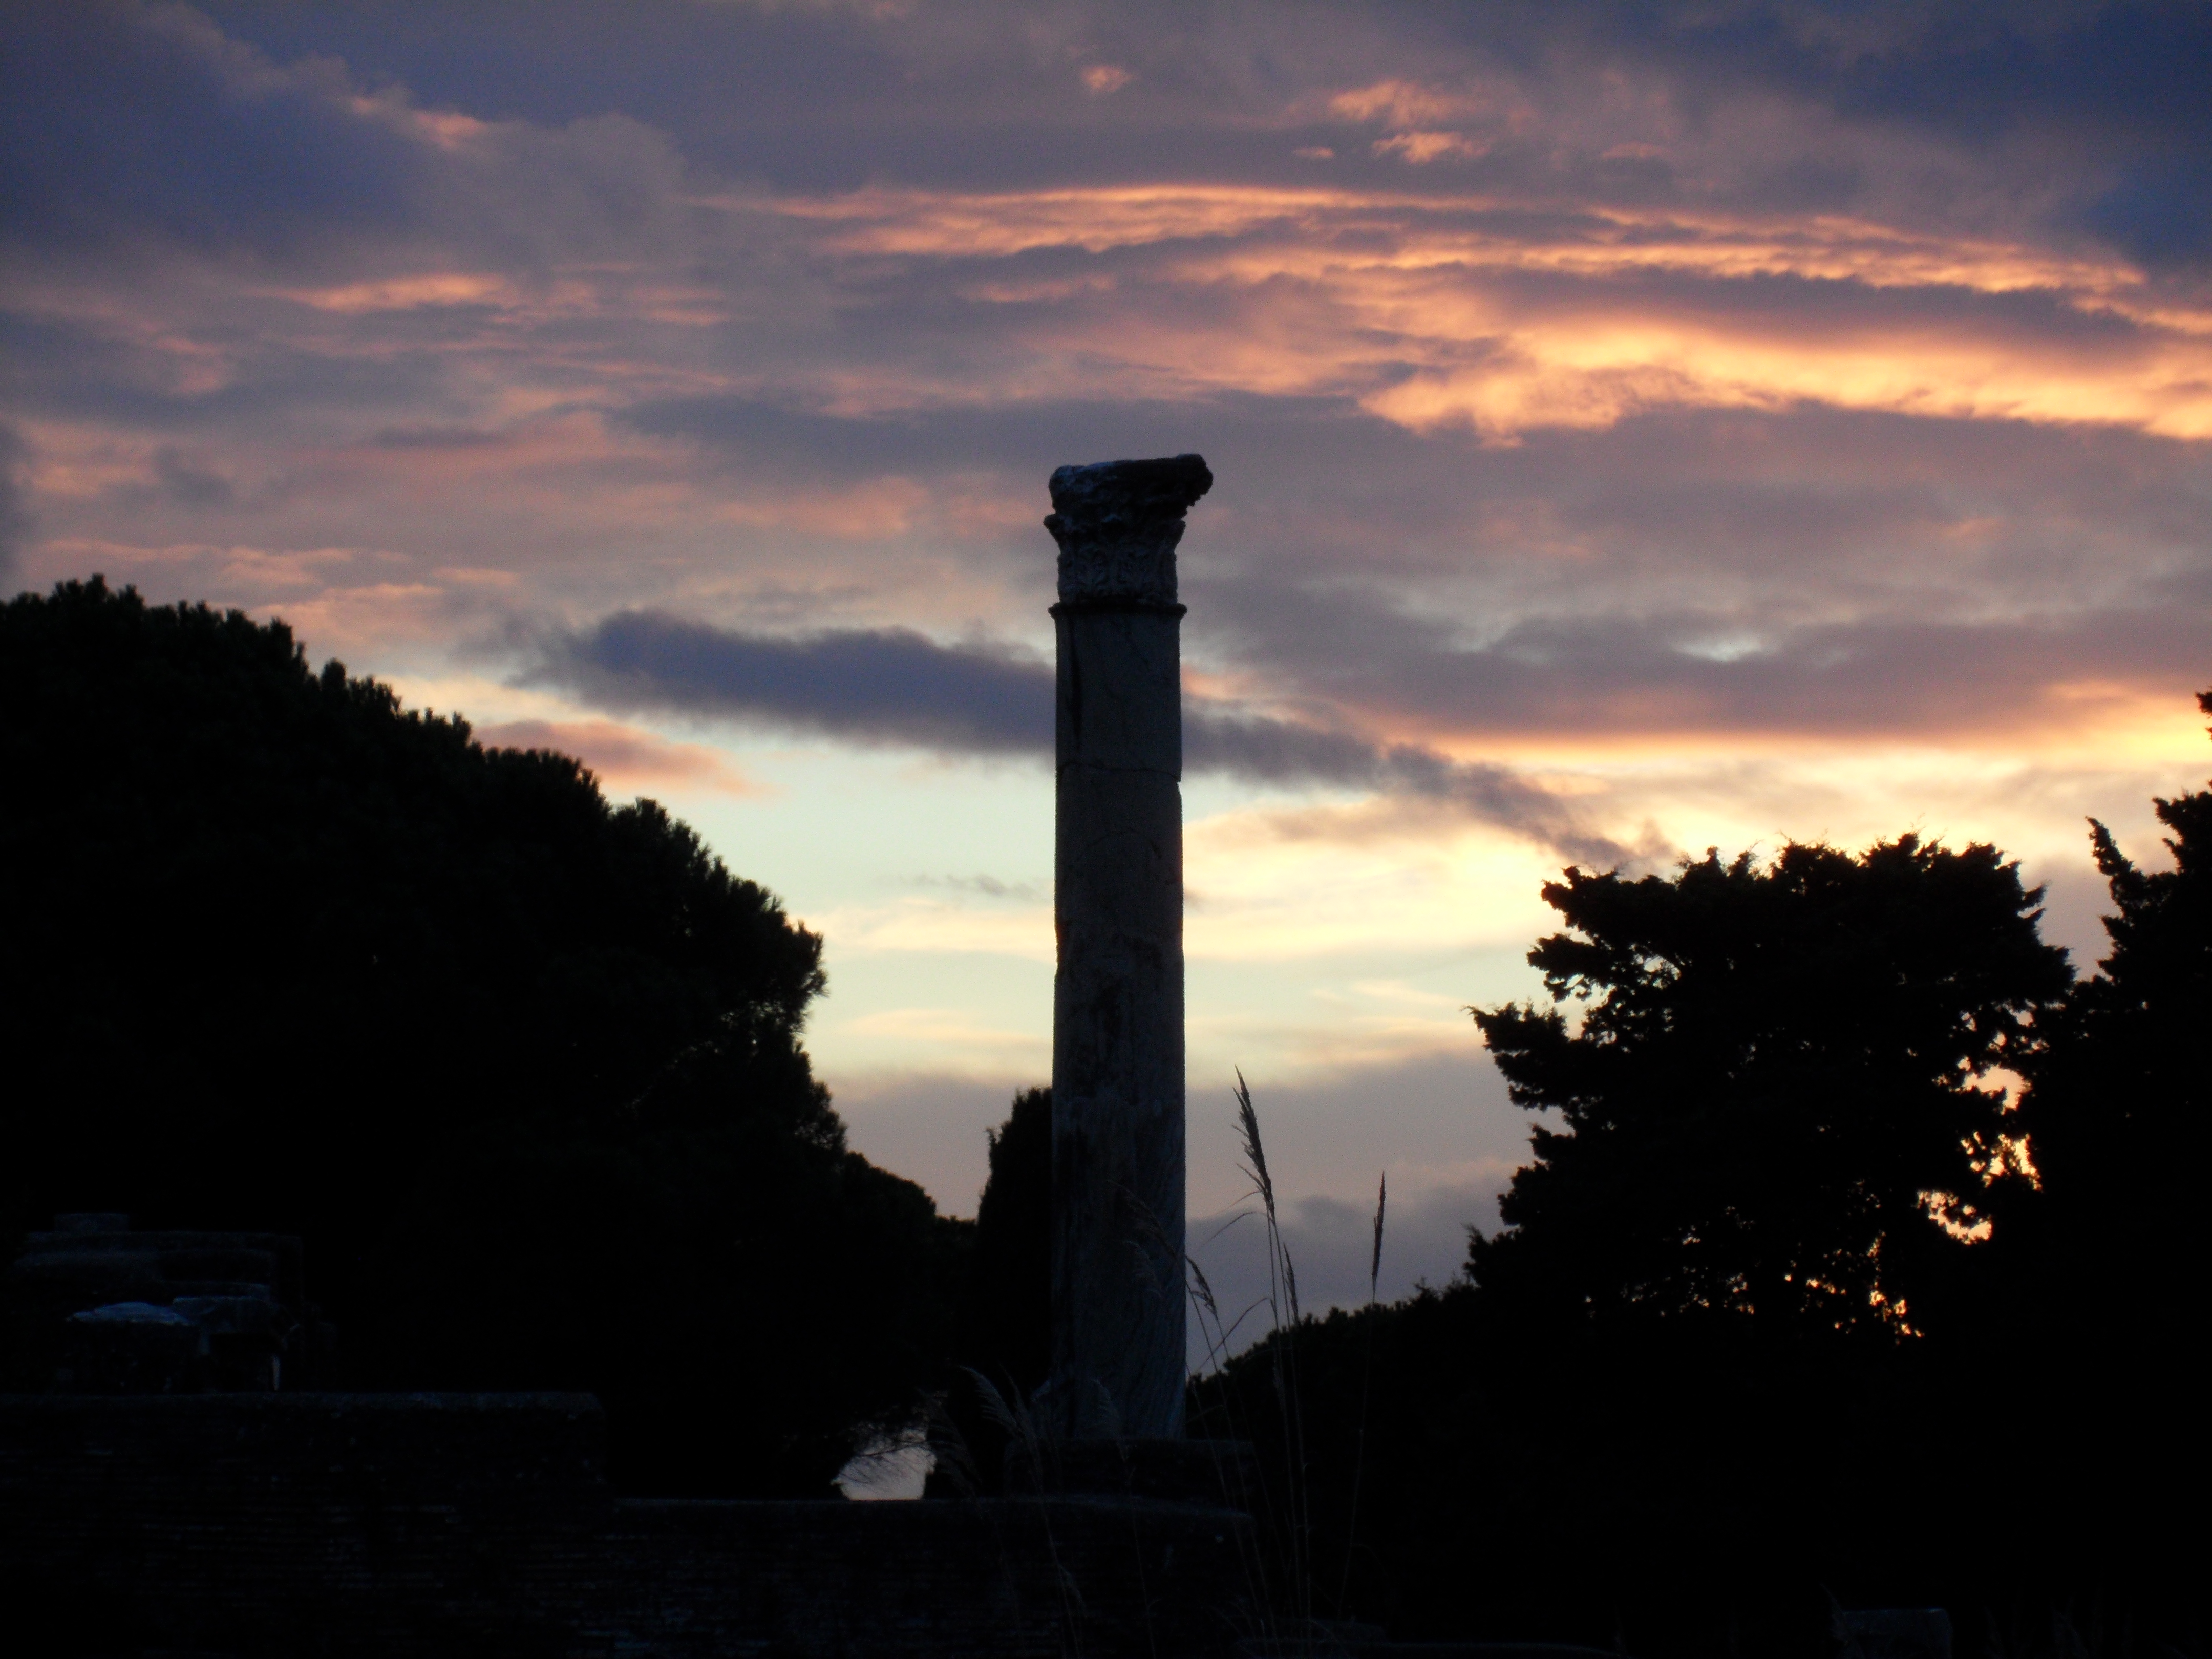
(1118, 1356)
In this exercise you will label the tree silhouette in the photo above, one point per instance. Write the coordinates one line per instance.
(522, 1067)
(1775, 1106)
(1002, 1333)
(2120, 1112)
(2108, 1290)
(1008, 1336)
(1674, 1407)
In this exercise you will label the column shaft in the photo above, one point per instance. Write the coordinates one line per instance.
(1117, 1071)
(1118, 1363)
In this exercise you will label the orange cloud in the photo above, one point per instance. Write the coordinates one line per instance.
(623, 755)
(1341, 292)
(1422, 147)
(406, 293)
(1408, 104)
(1403, 230)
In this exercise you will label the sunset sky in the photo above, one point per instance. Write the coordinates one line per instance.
(1637, 427)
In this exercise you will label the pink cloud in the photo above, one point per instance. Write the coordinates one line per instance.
(1420, 148)
(624, 756)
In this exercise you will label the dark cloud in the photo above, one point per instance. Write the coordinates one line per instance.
(14, 508)
(134, 134)
(1801, 568)
(2160, 211)
(887, 685)
(833, 97)
(1275, 751)
(190, 484)
(766, 89)
(720, 72)
(2085, 67)
(63, 367)
(278, 130)
(1809, 571)
(1302, 478)
(1884, 675)
(121, 122)
(1817, 572)
(1758, 520)
(895, 686)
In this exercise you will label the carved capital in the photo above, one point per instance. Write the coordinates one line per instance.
(1117, 524)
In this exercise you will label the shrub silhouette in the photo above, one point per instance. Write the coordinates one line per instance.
(522, 1067)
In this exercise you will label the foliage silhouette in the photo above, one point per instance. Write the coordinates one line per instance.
(1003, 1333)
(522, 1067)
(2114, 1238)
(1008, 1329)
(2119, 1111)
(1726, 1357)
(1776, 1106)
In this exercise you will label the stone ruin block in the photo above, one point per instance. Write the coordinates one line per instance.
(94, 1307)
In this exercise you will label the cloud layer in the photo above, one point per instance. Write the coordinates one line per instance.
(15, 515)
(1630, 371)
(895, 686)
(1636, 421)
(1600, 373)
(886, 685)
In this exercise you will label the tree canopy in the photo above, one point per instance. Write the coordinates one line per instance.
(2120, 1112)
(2112, 1251)
(1857, 1255)
(1777, 1102)
(523, 1067)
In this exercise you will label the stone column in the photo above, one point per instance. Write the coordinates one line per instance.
(1117, 1083)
